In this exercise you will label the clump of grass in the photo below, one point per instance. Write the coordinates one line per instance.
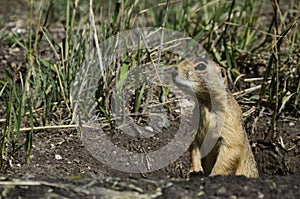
(45, 86)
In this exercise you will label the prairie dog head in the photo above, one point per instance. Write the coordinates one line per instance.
(201, 77)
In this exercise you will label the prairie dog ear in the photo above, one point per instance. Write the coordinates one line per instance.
(185, 63)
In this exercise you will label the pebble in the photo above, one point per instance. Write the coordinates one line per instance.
(221, 191)
(260, 195)
(149, 128)
(58, 157)
(291, 124)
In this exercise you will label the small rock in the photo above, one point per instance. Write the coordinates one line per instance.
(149, 128)
(13, 50)
(291, 124)
(221, 191)
(260, 194)
(58, 157)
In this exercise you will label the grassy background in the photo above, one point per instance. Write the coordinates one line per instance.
(257, 42)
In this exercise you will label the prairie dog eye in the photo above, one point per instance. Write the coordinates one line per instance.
(200, 66)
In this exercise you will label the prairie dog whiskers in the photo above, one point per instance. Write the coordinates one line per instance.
(220, 125)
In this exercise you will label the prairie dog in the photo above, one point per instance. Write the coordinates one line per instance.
(231, 152)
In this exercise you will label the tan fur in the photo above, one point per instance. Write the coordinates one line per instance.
(232, 152)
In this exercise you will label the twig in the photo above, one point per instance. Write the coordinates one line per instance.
(253, 79)
(248, 90)
(28, 183)
(69, 126)
(47, 127)
(95, 36)
(50, 43)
